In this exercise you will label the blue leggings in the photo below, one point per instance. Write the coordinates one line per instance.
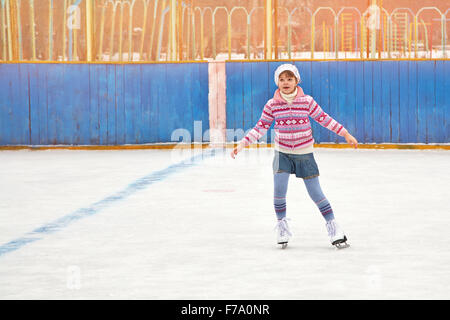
(281, 180)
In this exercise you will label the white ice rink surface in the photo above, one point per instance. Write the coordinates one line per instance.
(119, 225)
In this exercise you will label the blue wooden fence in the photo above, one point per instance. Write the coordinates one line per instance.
(394, 101)
(100, 104)
(112, 104)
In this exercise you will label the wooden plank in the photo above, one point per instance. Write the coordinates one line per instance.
(77, 87)
(342, 96)
(442, 105)
(183, 101)
(324, 82)
(138, 123)
(56, 101)
(426, 99)
(213, 99)
(103, 98)
(155, 91)
(38, 105)
(169, 113)
(244, 116)
(66, 105)
(359, 102)
(95, 74)
(316, 90)
(132, 102)
(35, 124)
(147, 82)
(83, 99)
(447, 104)
(120, 104)
(198, 98)
(395, 104)
(386, 78)
(333, 106)
(260, 94)
(348, 117)
(404, 103)
(163, 104)
(235, 97)
(197, 101)
(109, 95)
(20, 117)
(368, 101)
(431, 98)
(71, 86)
(412, 111)
(377, 103)
(7, 72)
(4, 105)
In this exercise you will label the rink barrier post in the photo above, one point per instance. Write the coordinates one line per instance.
(217, 101)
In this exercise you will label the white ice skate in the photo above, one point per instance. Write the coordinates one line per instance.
(283, 233)
(337, 236)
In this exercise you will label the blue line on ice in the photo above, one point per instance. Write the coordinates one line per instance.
(139, 184)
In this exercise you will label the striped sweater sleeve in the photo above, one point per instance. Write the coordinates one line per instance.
(322, 118)
(261, 126)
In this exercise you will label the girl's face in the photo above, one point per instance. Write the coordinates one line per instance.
(287, 83)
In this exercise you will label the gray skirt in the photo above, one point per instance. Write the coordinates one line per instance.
(303, 165)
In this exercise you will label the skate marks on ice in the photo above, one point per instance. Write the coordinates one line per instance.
(233, 253)
(139, 184)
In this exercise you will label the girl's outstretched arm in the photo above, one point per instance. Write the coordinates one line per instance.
(259, 130)
(326, 121)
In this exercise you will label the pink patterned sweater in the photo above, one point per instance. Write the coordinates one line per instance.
(293, 133)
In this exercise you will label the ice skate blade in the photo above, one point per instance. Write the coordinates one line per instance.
(283, 245)
(341, 245)
(335, 242)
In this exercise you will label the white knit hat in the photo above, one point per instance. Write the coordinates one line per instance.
(286, 67)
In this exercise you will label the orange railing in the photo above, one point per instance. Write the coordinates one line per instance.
(175, 30)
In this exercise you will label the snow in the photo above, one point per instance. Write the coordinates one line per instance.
(204, 229)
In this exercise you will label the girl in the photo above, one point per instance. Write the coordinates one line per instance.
(290, 108)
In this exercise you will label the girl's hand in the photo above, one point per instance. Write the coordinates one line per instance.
(351, 140)
(236, 151)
